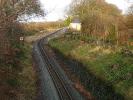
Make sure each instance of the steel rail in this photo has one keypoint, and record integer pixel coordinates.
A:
(61, 89)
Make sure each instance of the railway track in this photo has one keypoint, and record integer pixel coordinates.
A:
(57, 80)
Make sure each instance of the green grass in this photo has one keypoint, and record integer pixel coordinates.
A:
(107, 64)
(28, 78)
(20, 74)
(65, 47)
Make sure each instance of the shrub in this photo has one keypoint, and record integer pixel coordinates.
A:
(13, 81)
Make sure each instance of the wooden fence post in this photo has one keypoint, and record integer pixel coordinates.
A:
(117, 42)
(128, 43)
(12, 31)
(97, 42)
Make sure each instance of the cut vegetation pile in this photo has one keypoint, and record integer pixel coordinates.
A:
(113, 70)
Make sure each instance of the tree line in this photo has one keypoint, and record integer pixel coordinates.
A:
(13, 11)
(101, 19)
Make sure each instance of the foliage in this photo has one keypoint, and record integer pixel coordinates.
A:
(111, 66)
(102, 19)
(34, 27)
(129, 18)
(18, 71)
(13, 82)
(68, 20)
(11, 10)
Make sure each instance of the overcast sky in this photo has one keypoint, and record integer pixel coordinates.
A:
(60, 5)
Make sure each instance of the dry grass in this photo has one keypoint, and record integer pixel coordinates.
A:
(131, 92)
(3, 44)
(107, 64)
(38, 35)
(9, 82)
(29, 74)
(32, 28)
(17, 69)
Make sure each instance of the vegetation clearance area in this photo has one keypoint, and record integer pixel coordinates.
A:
(105, 72)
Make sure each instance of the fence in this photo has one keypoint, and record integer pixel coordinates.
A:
(127, 49)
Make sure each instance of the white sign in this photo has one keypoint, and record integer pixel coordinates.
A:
(21, 38)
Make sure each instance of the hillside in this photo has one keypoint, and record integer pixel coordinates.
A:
(105, 72)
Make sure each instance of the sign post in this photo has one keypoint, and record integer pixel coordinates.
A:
(21, 39)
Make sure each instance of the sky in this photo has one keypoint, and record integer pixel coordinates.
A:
(56, 8)
(121, 4)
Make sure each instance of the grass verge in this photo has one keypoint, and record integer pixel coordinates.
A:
(19, 69)
(110, 66)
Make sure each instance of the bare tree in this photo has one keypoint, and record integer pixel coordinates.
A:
(12, 10)
(96, 15)
(129, 17)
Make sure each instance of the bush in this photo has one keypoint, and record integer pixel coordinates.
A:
(13, 82)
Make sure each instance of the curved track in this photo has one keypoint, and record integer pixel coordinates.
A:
(57, 80)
